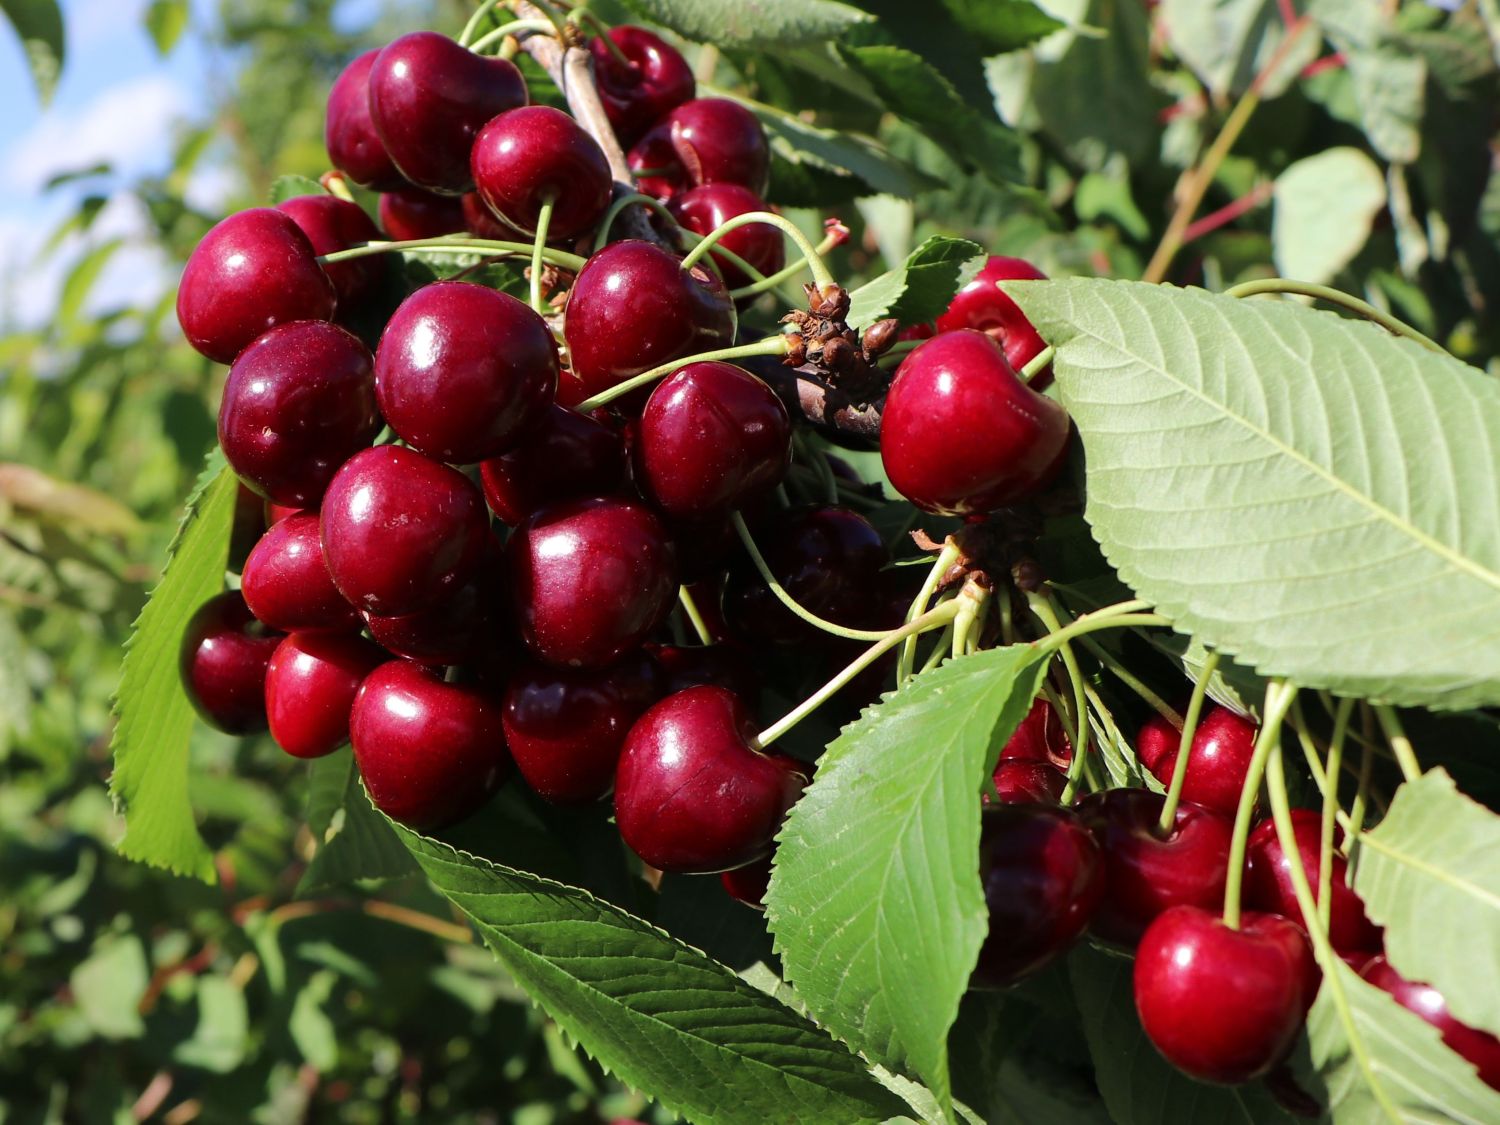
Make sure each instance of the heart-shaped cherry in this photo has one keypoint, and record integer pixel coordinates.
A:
(704, 209)
(349, 133)
(1222, 748)
(1478, 1047)
(985, 307)
(412, 213)
(704, 141)
(1268, 882)
(650, 81)
(332, 224)
(1039, 737)
(565, 456)
(223, 660)
(286, 581)
(528, 157)
(310, 687)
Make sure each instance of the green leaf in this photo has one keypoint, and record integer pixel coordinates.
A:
(80, 281)
(651, 1010)
(166, 20)
(1228, 43)
(998, 26)
(219, 1042)
(39, 23)
(309, 1026)
(764, 23)
(920, 288)
(1428, 874)
(109, 985)
(1389, 80)
(875, 900)
(1303, 491)
(801, 143)
(354, 841)
(290, 187)
(15, 690)
(1325, 207)
(150, 744)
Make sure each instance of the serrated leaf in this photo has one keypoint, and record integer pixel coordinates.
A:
(39, 23)
(921, 287)
(1325, 207)
(1228, 43)
(1303, 491)
(1002, 25)
(290, 187)
(651, 1010)
(354, 841)
(841, 153)
(166, 20)
(875, 900)
(764, 23)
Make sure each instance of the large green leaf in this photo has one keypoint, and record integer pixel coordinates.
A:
(801, 143)
(921, 287)
(1002, 25)
(1228, 43)
(762, 23)
(652, 1010)
(39, 24)
(354, 841)
(875, 900)
(1325, 207)
(1306, 492)
(1388, 78)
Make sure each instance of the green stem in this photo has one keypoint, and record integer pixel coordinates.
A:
(1185, 744)
(456, 244)
(941, 565)
(787, 272)
(473, 25)
(1130, 680)
(1034, 366)
(1330, 812)
(630, 199)
(968, 617)
(1395, 734)
(581, 14)
(538, 247)
(1117, 616)
(939, 650)
(1045, 608)
(1361, 795)
(690, 607)
(771, 345)
(1335, 297)
(821, 277)
(1310, 751)
(1279, 697)
(514, 27)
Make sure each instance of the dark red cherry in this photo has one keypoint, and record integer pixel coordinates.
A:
(1268, 882)
(454, 630)
(693, 792)
(1042, 877)
(481, 222)
(713, 438)
(961, 434)
(401, 531)
(429, 98)
(704, 141)
(1021, 782)
(332, 224)
(1039, 737)
(565, 456)
(652, 80)
(1146, 874)
(430, 752)
(633, 307)
(1222, 1005)
(310, 687)
(985, 307)
(703, 209)
(750, 883)
(530, 156)
(223, 662)
(298, 403)
(253, 271)
(463, 371)
(349, 133)
(412, 213)
(590, 580)
(1220, 761)
(1478, 1047)
(722, 665)
(286, 581)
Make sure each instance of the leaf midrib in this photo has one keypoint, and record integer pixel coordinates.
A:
(1370, 840)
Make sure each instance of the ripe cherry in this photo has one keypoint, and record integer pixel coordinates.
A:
(463, 371)
(534, 155)
(564, 456)
(1039, 737)
(693, 792)
(456, 630)
(349, 133)
(412, 213)
(430, 752)
(590, 580)
(481, 222)
(962, 435)
(1268, 882)
(1020, 782)
(223, 661)
(653, 80)
(332, 224)
(985, 307)
(286, 581)
(298, 403)
(704, 141)
(252, 271)
(401, 531)
(1222, 1005)
(703, 210)
(429, 98)
(1216, 769)
(1478, 1047)
(750, 883)
(310, 687)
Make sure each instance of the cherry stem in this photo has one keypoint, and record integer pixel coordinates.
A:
(771, 345)
(628, 199)
(690, 607)
(1133, 682)
(1330, 813)
(813, 458)
(543, 221)
(1362, 790)
(581, 14)
(941, 565)
(1046, 608)
(1118, 616)
(821, 277)
(1279, 697)
(789, 271)
(1395, 734)
(939, 650)
(1310, 751)
(1034, 365)
(1185, 743)
(514, 27)
(474, 21)
(456, 244)
(1335, 297)
(965, 639)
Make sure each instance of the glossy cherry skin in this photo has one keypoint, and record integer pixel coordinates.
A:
(704, 209)
(430, 752)
(412, 213)
(590, 580)
(704, 141)
(454, 630)
(1220, 761)
(1021, 782)
(654, 80)
(298, 403)
(1219, 1004)
(310, 687)
(1146, 874)
(528, 156)
(985, 307)
(349, 132)
(401, 531)
(1478, 1047)
(1268, 883)
(332, 224)
(1042, 876)
(1039, 737)
(481, 222)
(463, 371)
(692, 791)
(565, 728)
(564, 456)
(223, 662)
(251, 272)
(713, 438)
(750, 883)
(286, 581)
(633, 307)
(429, 98)
(961, 434)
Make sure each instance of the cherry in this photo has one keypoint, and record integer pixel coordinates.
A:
(693, 792)
(653, 80)
(725, 666)
(252, 271)
(590, 580)
(481, 222)
(961, 434)
(1222, 1005)
(332, 224)
(349, 133)
(1042, 876)
(750, 883)
(1145, 873)
(1020, 782)
(310, 687)
(463, 371)
(565, 728)
(1039, 737)
(1222, 747)
(985, 307)
(633, 307)
(564, 456)
(299, 402)
(704, 141)
(1268, 882)
(704, 209)
(430, 752)
(1477, 1047)
(223, 662)
(286, 581)
(530, 156)
(713, 438)
(400, 531)
(455, 630)
(412, 213)
(429, 98)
